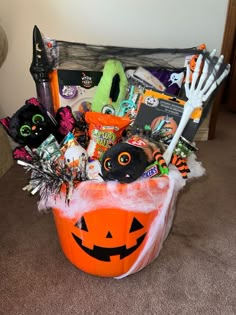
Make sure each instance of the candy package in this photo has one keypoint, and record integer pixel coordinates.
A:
(104, 131)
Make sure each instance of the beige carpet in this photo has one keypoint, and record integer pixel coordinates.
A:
(194, 274)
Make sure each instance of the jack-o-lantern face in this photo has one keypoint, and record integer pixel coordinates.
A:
(105, 242)
(105, 253)
(104, 235)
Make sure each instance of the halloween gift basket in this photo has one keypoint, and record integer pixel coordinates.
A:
(109, 143)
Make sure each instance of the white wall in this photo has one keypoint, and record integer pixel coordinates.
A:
(149, 23)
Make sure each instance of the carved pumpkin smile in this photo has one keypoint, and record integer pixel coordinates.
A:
(103, 254)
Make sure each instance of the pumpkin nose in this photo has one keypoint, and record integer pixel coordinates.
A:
(109, 235)
(33, 127)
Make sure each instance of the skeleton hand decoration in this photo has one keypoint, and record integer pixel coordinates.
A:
(197, 93)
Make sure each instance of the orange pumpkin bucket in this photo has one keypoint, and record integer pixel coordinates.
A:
(112, 229)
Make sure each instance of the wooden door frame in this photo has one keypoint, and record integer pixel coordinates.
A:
(226, 50)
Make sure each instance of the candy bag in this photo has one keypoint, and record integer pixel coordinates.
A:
(104, 131)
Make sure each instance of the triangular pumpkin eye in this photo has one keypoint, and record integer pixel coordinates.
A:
(135, 226)
(81, 224)
(109, 235)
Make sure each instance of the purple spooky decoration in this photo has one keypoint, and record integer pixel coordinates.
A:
(172, 79)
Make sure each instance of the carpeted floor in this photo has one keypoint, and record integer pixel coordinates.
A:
(195, 272)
